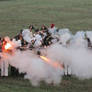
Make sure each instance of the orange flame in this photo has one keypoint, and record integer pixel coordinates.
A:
(54, 64)
(8, 46)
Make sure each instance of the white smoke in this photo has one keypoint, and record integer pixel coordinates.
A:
(76, 55)
(35, 68)
(79, 59)
(65, 36)
(78, 40)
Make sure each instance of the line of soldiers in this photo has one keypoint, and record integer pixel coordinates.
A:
(32, 38)
(27, 39)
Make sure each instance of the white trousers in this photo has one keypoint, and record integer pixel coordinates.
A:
(67, 70)
(4, 68)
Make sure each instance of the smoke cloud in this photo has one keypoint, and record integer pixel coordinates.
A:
(79, 59)
(35, 68)
(76, 55)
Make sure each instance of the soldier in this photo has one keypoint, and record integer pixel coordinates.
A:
(44, 28)
(47, 39)
(44, 31)
(53, 30)
(28, 34)
(32, 29)
(4, 63)
(38, 39)
(89, 44)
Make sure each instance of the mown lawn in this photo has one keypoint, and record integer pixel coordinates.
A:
(17, 14)
(16, 84)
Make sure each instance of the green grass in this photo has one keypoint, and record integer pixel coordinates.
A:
(67, 85)
(17, 14)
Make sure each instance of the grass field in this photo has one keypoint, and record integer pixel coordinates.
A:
(68, 85)
(17, 14)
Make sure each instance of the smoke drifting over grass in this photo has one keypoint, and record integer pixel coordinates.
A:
(79, 59)
(76, 55)
(35, 68)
